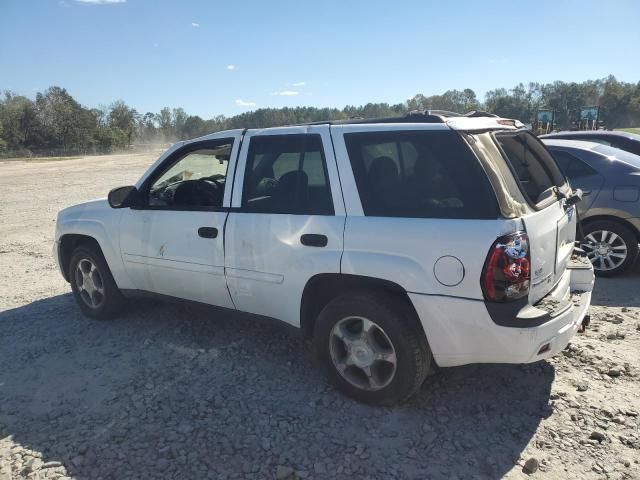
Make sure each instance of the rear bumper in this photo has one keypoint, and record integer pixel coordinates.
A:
(461, 331)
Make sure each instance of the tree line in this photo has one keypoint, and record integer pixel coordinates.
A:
(56, 124)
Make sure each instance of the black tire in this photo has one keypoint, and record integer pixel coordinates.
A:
(111, 300)
(400, 326)
(624, 234)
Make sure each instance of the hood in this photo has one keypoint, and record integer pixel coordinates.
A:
(84, 209)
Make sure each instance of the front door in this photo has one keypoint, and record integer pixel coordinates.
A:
(173, 244)
(288, 219)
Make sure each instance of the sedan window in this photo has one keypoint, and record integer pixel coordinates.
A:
(571, 166)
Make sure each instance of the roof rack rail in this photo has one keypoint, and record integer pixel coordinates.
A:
(414, 116)
(480, 113)
(443, 113)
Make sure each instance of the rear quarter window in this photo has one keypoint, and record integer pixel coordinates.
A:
(420, 174)
(572, 167)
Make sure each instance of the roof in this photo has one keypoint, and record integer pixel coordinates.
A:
(579, 144)
(472, 121)
(588, 133)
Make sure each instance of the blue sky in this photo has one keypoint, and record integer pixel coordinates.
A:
(226, 57)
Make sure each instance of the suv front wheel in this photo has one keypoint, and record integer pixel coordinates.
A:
(371, 348)
(92, 284)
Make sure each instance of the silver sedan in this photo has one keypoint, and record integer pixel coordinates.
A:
(610, 208)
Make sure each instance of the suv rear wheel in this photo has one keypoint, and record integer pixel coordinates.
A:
(92, 284)
(371, 348)
(611, 247)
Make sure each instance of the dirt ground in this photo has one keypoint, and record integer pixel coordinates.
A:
(174, 391)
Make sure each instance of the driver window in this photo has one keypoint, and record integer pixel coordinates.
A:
(195, 179)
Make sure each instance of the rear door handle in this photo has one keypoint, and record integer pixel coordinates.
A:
(314, 240)
(208, 232)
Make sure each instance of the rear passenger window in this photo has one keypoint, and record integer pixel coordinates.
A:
(535, 169)
(571, 166)
(287, 174)
(421, 174)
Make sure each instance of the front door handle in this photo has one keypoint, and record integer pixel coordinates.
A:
(314, 240)
(208, 232)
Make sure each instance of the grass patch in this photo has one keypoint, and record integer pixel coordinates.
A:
(37, 159)
(630, 130)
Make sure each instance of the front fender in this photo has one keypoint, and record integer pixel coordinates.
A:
(98, 221)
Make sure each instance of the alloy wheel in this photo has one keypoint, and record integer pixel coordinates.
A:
(89, 283)
(362, 353)
(606, 250)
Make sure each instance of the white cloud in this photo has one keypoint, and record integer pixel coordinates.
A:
(231, 67)
(286, 93)
(195, 25)
(101, 2)
(243, 103)
(298, 84)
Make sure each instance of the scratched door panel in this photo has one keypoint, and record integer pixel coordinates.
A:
(175, 259)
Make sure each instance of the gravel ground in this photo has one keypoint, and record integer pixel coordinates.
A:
(174, 391)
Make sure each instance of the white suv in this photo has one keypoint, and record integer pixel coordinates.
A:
(396, 244)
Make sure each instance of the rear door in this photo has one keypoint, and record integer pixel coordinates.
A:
(287, 220)
(551, 226)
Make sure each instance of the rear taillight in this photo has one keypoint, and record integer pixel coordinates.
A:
(506, 273)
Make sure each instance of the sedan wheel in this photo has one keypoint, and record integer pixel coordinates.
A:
(611, 247)
(606, 250)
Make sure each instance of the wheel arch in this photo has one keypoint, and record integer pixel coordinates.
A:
(68, 243)
(322, 288)
(610, 218)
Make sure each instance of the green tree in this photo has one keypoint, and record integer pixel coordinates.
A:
(165, 124)
(123, 118)
(18, 118)
(178, 119)
(64, 121)
(194, 126)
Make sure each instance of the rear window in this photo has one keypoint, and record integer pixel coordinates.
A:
(422, 174)
(533, 166)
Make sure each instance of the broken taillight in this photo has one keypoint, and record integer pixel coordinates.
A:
(506, 274)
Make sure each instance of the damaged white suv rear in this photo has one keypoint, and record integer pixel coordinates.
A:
(395, 244)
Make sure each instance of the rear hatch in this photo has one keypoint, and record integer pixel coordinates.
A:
(550, 224)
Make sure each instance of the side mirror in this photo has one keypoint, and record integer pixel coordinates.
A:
(124, 197)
